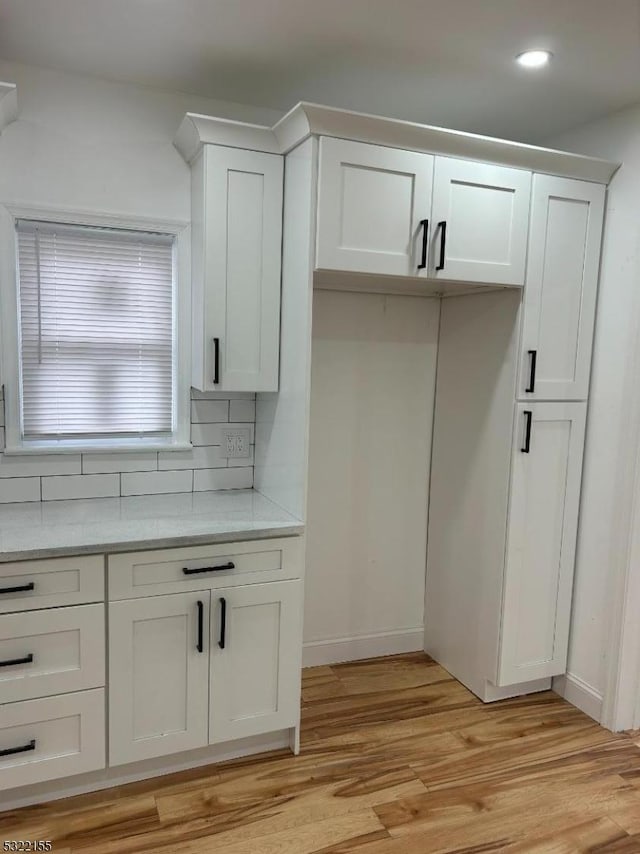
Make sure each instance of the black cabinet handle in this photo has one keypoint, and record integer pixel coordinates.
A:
(527, 432)
(11, 662)
(216, 361)
(22, 749)
(200, 644)
(533, 356)
(425, 236)
(23, 588)
(223, 622)
(220, 568)
(443, 244)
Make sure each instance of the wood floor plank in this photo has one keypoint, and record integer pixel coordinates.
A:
(321, 683)
(505, 814)
(307, 839)
(126, 817)
(397, 758)
(255, 810)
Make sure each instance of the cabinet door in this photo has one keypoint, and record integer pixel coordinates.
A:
(242, 261)
(543, 521)
(158, 675)
(371, 203)
(562, 282)
(480, 221)
(255, 660)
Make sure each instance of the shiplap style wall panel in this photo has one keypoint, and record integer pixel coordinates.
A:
(372, 390)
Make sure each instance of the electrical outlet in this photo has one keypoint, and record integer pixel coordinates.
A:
(236, 442)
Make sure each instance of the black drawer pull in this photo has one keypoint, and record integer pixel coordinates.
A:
(220, 568)
(11, 662)
(425, 236)
(23, 588)
(24, 748)
(443, 244)
(200, 644)
(223, 622)
(527, 434)
(533, 354)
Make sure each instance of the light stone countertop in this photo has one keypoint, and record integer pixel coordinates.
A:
(91, 526)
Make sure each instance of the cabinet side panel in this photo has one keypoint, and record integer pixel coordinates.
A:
(282, 418)
(470, 483)
(197, 272)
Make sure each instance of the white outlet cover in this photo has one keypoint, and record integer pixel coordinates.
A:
(236, 442)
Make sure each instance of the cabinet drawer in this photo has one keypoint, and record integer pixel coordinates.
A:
(31, 584)
(51, 652)
(207, 567)
(56, 737)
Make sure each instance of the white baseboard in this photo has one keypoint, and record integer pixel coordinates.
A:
(334, 651)
(579, 694)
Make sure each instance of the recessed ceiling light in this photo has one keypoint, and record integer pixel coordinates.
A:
(534, 58)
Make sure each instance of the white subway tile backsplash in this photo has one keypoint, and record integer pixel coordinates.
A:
(80, 486)
(197, 458)
(20, 489)
(34, 465)
(52, 477)
(154, 482)
(205, 480)
(242, 410)
(209, 434)
(107, 463)
(208, 411)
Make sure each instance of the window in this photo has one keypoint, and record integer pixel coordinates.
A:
(97, 335)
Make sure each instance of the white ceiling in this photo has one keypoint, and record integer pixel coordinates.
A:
(447, 62)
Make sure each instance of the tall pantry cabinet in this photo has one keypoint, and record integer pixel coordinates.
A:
(507, 238)
(510, 414)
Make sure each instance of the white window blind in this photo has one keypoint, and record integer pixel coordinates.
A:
(96, 323)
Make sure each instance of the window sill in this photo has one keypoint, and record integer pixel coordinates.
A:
(106, 447)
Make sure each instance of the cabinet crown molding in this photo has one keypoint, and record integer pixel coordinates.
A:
(306, 119)
(8, 104)
(197, 130)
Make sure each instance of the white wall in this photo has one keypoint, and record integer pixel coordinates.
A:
(372, 391)
(605, 522)
(91, 146)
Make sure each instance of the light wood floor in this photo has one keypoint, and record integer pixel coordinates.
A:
(397, 758)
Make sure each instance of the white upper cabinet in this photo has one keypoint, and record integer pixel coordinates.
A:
(541, 540)
(236, 264)
(404, 213)
(480, 221)
(373, 207)
(561, 288)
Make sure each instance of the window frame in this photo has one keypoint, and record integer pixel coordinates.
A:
(10, 364)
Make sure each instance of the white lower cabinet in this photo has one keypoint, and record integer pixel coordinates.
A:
(198, 668)
(255, 660)
(52, 737)
(54, 651)
(158, 676)
(541, 538)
